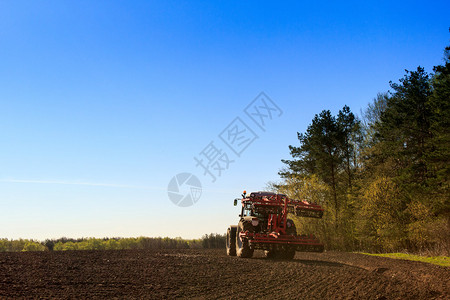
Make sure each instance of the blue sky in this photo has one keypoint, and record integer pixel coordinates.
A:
(103, 102)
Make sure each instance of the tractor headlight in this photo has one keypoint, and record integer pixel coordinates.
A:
(255, 221)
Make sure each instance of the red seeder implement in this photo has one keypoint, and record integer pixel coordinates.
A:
(264, 225)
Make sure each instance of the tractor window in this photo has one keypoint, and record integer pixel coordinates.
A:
(247, 211)
(258, 215)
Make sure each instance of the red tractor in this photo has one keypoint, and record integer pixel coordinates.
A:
(264, 225)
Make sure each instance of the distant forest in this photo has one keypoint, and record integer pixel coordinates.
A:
(212, 240)
(382, 177)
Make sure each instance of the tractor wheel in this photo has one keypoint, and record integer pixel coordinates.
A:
(231, 240)
(242, 246)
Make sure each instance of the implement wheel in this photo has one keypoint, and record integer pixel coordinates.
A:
(242, 246)
(231, 240)
(289, 254)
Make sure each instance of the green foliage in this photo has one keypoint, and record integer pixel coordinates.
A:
(212, 240)
(381, 211)
(435, 260)
(20, 245)
(327, 160)
(208, 241)
(403, 133)
(33, 246)
(383, 182)
(412, 149)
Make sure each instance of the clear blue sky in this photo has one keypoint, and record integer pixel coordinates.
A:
(103, 102)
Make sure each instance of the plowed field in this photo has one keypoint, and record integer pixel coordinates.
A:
(158, 274)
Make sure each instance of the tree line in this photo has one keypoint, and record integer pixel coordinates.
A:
(383, 176)
(212, 240)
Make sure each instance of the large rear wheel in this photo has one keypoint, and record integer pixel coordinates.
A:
(288, 253)
(231, 240)
(242, 246)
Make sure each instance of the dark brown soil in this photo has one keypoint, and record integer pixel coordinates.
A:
(209, 274)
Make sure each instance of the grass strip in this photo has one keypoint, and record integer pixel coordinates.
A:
(435, 260)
